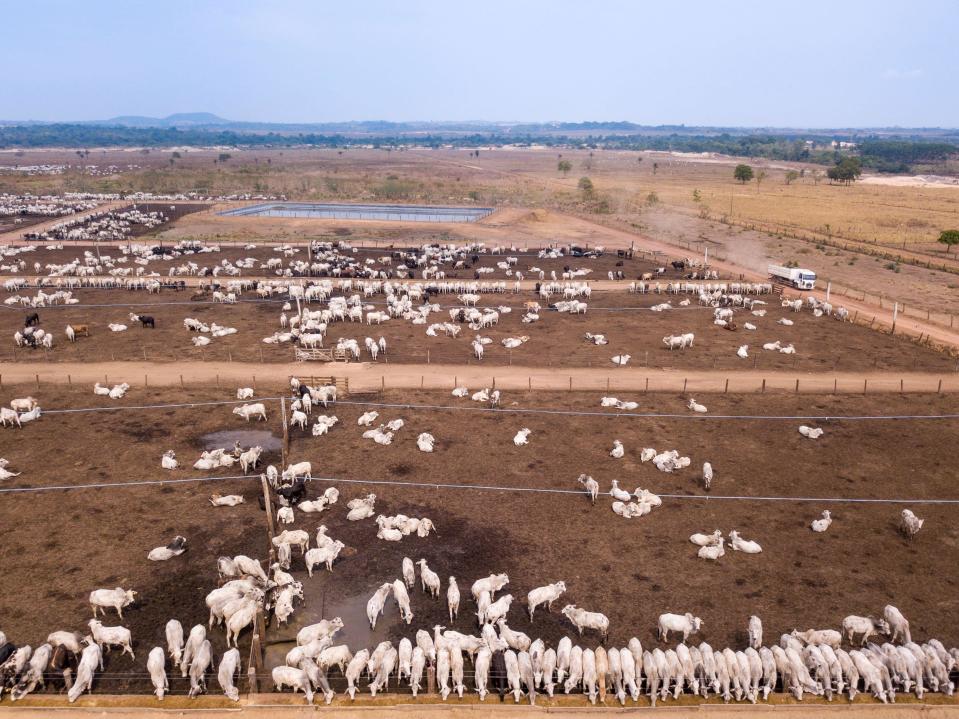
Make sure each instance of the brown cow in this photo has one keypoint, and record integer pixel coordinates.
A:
(82, 330)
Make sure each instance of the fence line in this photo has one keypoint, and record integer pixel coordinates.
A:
(479, 487)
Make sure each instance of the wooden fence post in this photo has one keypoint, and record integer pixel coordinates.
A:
(797, 386)
(726, 388)
(268, 504)
(38, 380)
(865, 383)
(764, 386)
(286, 431)
(685, 380)
(181, 381)
(939, 390)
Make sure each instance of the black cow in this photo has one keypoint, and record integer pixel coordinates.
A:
(678, 264)
(64, 662)
(295, 493)
(304, 390)
(147, 321)
(497, 675)
(6, 651)
(31, 320)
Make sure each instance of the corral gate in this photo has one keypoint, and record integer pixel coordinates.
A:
(334, 354)
(342, 383)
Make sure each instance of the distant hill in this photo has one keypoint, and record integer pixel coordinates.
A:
(179, 119)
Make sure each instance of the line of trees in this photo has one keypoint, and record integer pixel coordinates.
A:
(900, 155)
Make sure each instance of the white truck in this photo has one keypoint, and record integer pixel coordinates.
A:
(798, 277)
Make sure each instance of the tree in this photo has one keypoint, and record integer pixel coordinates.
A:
(846, 171)
(586, 186)
(224, 156)
(743, 173)
(697, 196)
(564, 166)
(639, 159)
(817, 176)
(949, 238)
(655, 167)
(760, 176)
(791, 176)
(176, 155)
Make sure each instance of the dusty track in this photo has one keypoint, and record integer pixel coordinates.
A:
(283, 706)
(367, 376)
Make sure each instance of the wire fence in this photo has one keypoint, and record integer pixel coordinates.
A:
(445, 486)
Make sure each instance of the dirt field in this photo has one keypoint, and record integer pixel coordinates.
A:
(556, 340)
(631, 570)
(8, 223)
(99, 538)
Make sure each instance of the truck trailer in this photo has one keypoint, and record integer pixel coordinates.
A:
(797, 277)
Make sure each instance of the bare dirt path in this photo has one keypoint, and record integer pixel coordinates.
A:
(285, 706)
(367, 376)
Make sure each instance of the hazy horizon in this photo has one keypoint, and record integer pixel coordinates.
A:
(745, 64)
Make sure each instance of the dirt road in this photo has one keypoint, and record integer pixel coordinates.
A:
(284, 706)
(366, 376)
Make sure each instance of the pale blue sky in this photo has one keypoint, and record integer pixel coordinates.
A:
(809, 64)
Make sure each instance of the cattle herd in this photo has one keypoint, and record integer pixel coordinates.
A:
(333, 283)
(873, 654)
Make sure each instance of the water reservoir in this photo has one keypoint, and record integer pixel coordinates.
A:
(383, 213)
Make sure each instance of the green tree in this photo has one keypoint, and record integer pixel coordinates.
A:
(586, 186)
(791, 176)
(760, 176)
(224, 156)
(743, 173)
(846, 171)
(655, 167)
(176, 155)
(564, 166)
(949, 238)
